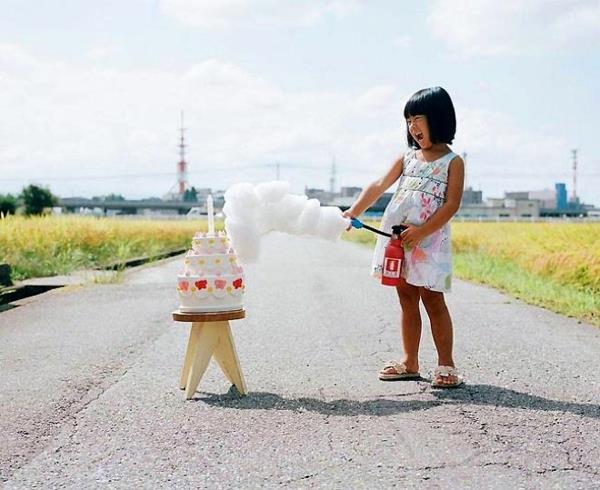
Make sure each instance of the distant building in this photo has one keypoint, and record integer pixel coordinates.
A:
(350, 191)
(471, 196)
(202, 193)
(561, 196)
(321, 194)
(522, 204)
(547, 198)
(501, 208)
(516, 195)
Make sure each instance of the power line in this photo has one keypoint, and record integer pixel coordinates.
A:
(90, 177)
(498, 175)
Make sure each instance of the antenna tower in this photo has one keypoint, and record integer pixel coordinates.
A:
(574, 153)
(182, 164)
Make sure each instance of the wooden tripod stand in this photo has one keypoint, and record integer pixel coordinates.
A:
(210, 335)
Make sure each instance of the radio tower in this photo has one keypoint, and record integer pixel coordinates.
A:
(182, 164)
(574, 153)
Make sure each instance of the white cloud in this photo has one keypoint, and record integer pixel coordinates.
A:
(375, 99)
(14, 58)
(222, 14)
(63, 120)
(67, 120)
(402, 41)
(489, 27)
(505, 155)
(103, 52)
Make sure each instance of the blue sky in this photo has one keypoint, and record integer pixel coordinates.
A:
(90, 92)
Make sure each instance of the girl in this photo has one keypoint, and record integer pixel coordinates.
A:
(429, 192)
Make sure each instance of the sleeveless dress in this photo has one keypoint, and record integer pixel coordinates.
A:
(421, 191)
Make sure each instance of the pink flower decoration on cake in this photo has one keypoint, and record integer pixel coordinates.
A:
(220, 283)
(237, 283)
(184, 285)
(201, 284)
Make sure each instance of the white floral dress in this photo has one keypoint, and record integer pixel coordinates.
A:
(421, 191)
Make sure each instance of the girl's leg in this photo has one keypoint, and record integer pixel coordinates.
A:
(411, 325)
(441, 329)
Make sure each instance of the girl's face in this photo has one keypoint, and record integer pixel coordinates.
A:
(419, 130)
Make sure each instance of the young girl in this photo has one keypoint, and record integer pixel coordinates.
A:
(429, 192)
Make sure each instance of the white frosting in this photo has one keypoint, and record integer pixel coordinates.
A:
(212, 279)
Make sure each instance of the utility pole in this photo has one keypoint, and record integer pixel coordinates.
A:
(332, 178)
(574, 154)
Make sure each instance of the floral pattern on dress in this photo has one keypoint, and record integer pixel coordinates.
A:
(421, 191)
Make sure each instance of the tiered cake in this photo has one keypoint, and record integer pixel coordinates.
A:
(212, 280)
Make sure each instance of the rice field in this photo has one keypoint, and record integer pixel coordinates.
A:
(555, 264)
(52, 245)
(568, 253)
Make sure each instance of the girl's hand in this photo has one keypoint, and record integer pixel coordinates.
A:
(349, 215)
(412, 236)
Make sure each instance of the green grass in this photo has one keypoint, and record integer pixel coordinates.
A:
(573, 294)
(56, 245)
(527, 286)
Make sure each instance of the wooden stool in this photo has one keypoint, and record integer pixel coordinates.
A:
(210, 335)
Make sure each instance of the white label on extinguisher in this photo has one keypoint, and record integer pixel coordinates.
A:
(391, 267)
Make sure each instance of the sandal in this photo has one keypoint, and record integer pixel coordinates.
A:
(401, 372)
(445, 372)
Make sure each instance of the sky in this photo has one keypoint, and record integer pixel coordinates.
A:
(91, 92)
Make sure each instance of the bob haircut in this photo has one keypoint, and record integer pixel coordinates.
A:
(436, 105)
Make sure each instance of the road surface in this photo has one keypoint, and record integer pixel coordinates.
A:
(89, 396)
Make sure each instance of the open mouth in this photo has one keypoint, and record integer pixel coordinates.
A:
(419, 136)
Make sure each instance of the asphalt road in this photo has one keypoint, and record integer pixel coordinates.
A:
(89, 396)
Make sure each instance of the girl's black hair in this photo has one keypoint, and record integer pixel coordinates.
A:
(436, 105)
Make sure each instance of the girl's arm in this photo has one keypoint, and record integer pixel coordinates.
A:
(371, 193)
(454, 192)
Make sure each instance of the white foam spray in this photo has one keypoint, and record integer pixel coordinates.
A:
(253, 210)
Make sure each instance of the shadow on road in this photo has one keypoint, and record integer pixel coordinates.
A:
(467, 395)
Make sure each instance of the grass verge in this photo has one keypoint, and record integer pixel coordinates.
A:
(527, 286)
(555, 266)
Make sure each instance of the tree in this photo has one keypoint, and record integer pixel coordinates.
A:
(190, 195)
(109, 197)
(114, 197)
(36, 199)
(8, 204)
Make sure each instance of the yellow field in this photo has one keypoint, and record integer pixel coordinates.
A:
(566, 252)
(50, 245)
(555, 265)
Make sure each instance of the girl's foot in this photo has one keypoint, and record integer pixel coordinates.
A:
(446, 377)
(394, 371)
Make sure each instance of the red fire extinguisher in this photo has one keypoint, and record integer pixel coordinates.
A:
(393, 255)
(393, 258)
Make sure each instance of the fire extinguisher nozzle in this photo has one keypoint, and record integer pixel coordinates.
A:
(397, 229)
(356, 223)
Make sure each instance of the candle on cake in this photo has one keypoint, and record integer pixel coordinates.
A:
(211, 215)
